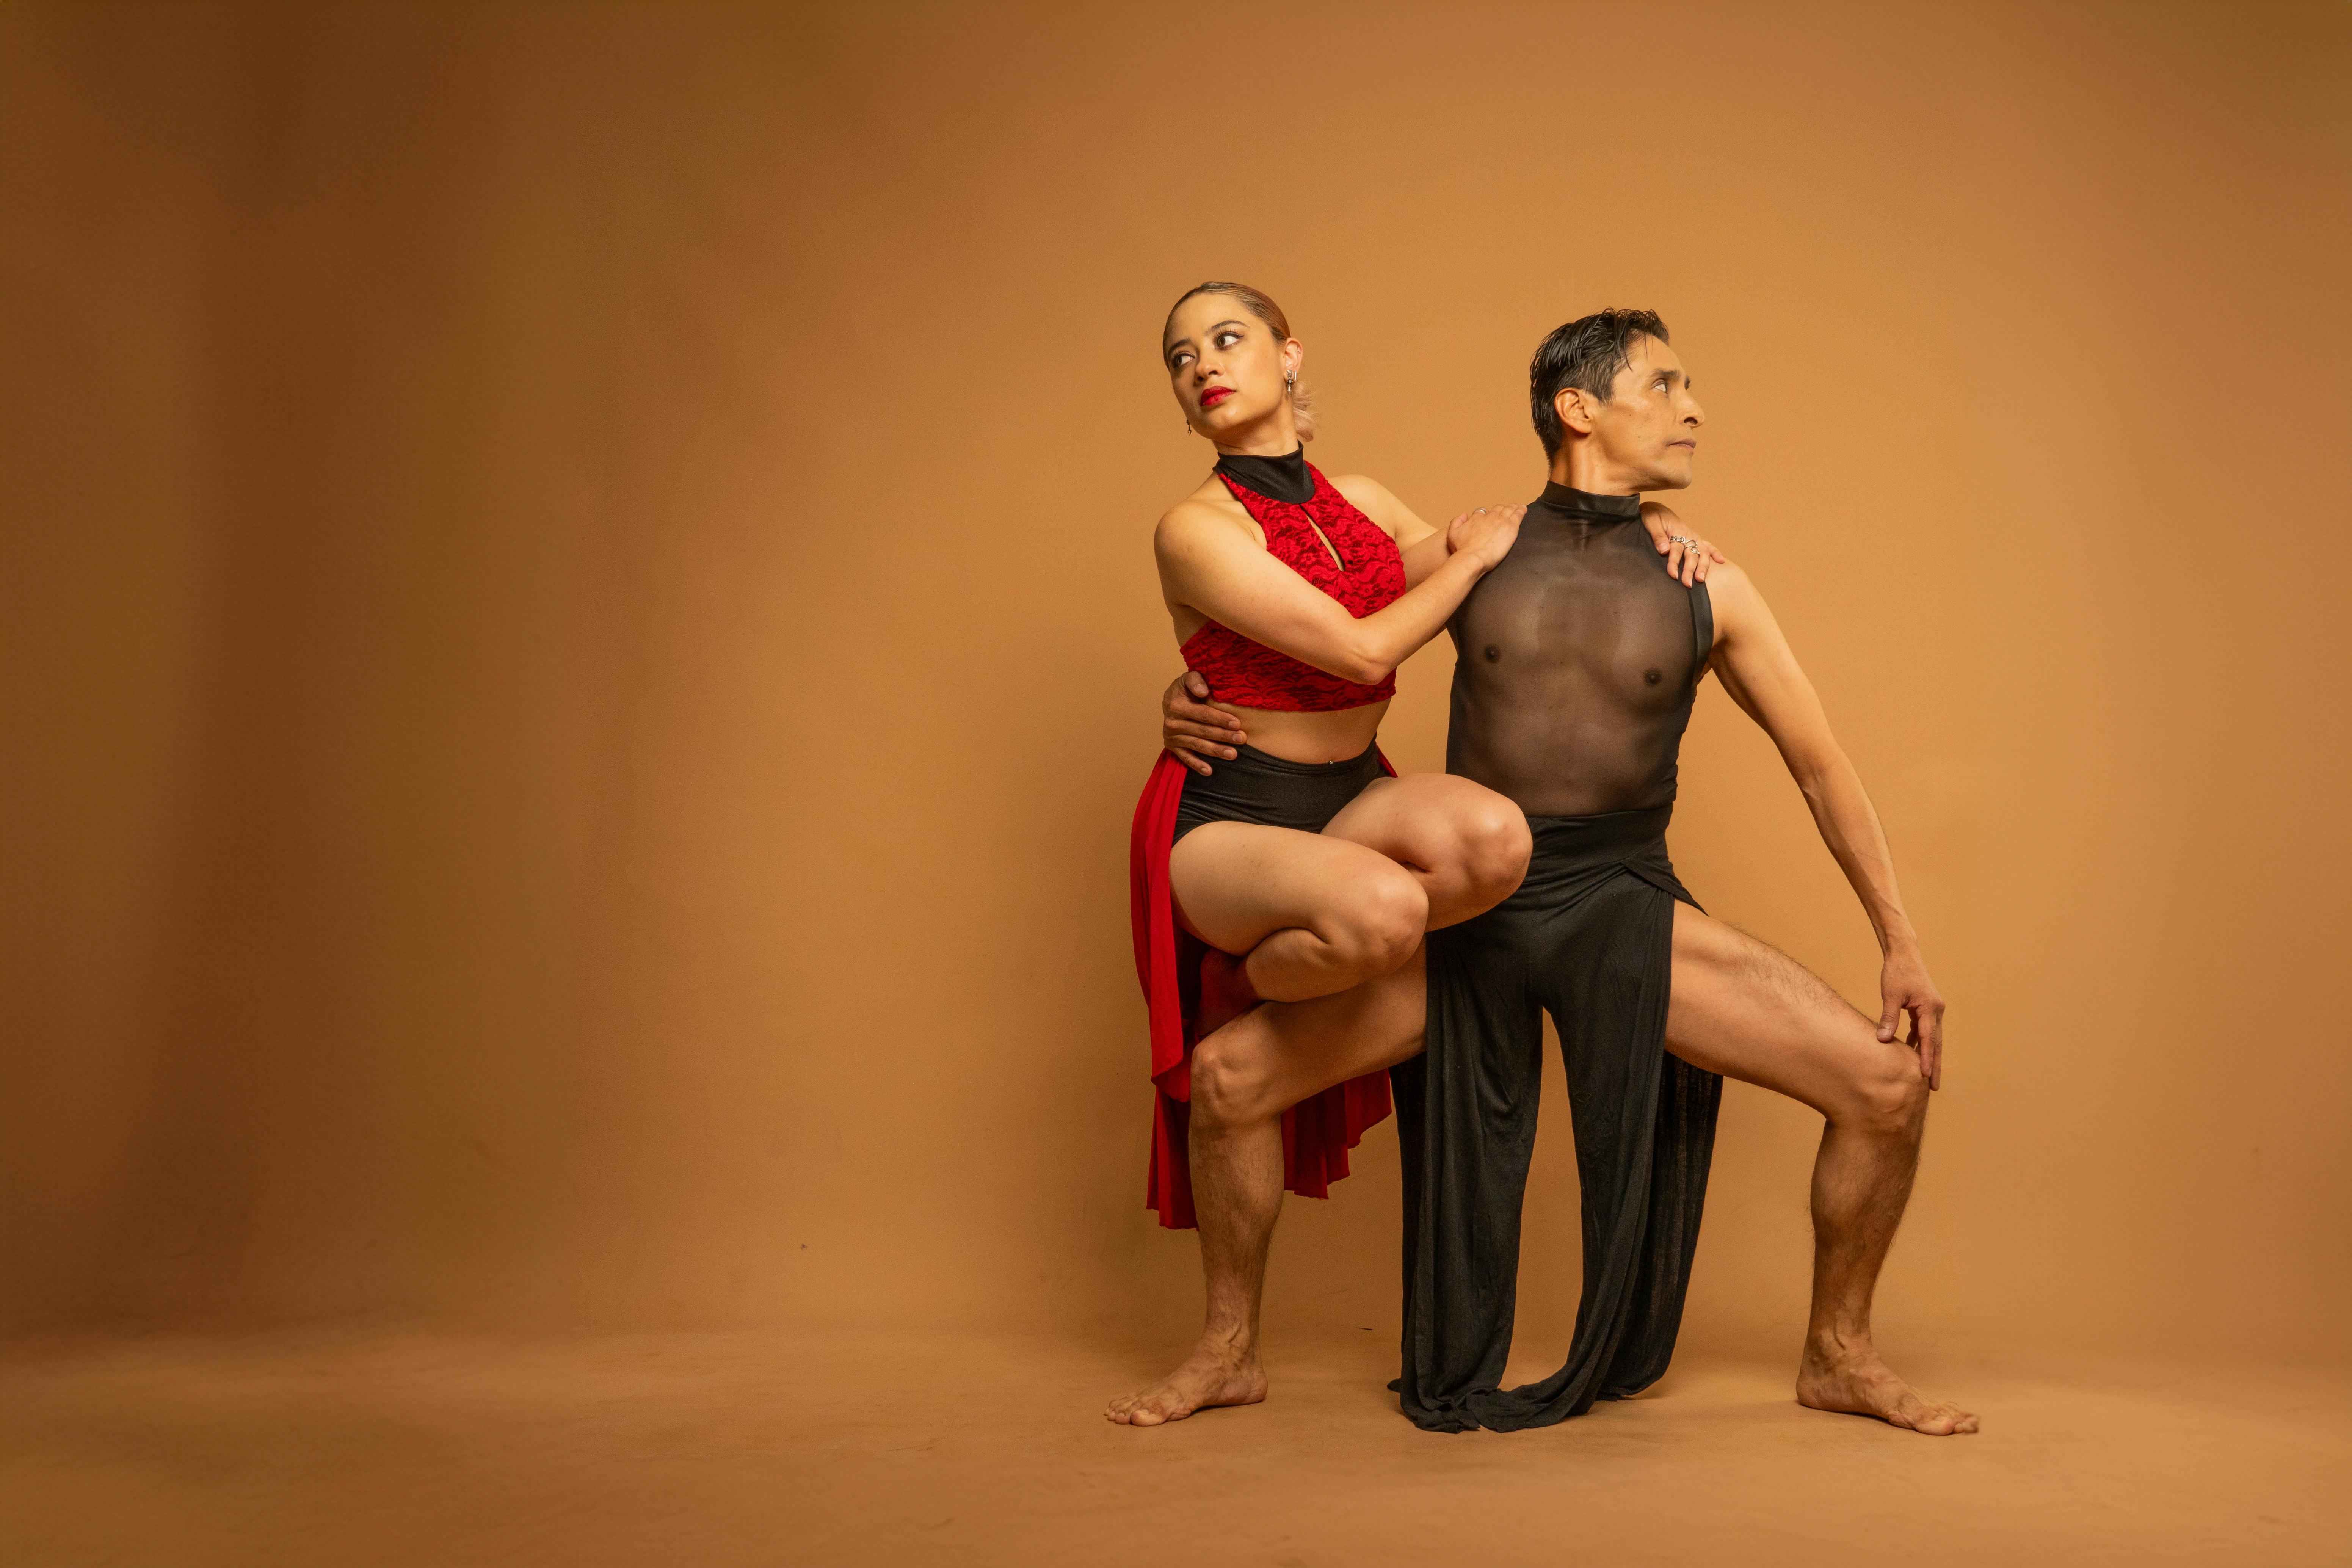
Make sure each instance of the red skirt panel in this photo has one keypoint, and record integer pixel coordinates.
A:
(1316, 1133)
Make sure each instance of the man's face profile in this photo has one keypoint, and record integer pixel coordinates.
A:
(1649, 426)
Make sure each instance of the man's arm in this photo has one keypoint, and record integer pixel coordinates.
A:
(1193, 729)
(1760, 674)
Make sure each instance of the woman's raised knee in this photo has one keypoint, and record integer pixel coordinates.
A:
(1496, 845)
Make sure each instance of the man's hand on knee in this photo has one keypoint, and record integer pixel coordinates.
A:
(1904, 986)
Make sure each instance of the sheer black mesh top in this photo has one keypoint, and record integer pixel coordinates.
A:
(1576, 662)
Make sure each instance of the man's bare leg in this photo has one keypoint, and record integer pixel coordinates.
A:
(1749, 1011)
(1243, 1078)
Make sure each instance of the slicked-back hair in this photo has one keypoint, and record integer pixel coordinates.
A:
(1587, 353)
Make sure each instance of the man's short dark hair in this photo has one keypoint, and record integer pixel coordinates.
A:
(1587, 353)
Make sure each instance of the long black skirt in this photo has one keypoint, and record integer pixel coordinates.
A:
(1588, 938)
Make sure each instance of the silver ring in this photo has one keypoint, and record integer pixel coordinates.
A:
(1480, 509)
(1680, 539)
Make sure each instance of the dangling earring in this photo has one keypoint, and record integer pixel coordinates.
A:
(1290, 385)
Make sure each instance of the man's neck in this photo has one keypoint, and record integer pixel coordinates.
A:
(1581, 468)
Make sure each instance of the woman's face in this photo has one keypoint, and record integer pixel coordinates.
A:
(1226, 367)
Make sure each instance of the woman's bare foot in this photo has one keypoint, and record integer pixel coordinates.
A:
(1854, 1382)
(1215, 1373)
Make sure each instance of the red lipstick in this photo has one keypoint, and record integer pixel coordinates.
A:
(1214, 397)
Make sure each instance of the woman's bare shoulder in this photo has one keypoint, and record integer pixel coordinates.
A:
(1201, 516)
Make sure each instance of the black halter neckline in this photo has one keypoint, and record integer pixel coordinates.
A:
(1283, 478)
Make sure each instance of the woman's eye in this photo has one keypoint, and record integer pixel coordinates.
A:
(1180, 361)
(1227, 340)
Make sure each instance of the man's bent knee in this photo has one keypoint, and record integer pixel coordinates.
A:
(1889, 1097)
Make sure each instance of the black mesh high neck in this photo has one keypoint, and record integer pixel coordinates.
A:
(1584, 503)
(1282, 478)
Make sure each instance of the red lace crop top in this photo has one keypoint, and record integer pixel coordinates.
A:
(1368, 575)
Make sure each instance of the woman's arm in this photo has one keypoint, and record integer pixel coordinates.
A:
(1422, 547)
(1689, 556)
(1210, 564)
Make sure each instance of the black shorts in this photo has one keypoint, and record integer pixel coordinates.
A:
(1272, 793)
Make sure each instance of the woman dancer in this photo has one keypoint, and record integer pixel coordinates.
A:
(1301, 868)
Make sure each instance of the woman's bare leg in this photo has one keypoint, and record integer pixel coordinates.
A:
(1302, 915)
(1466, 848)
(1310, 915)
(1243, 1078)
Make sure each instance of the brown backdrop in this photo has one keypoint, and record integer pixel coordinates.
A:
(581, 639)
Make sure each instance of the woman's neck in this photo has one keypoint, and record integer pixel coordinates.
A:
(1274, 436)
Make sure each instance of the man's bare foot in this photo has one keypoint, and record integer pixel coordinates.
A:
(1225, 992)
(1210, 1376)
(1856, 1383)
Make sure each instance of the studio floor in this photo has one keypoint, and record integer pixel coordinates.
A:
(407, 1448)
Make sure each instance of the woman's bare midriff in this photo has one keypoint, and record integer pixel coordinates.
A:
(1310, 737)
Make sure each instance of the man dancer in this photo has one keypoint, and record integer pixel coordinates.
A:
(1577, 662)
